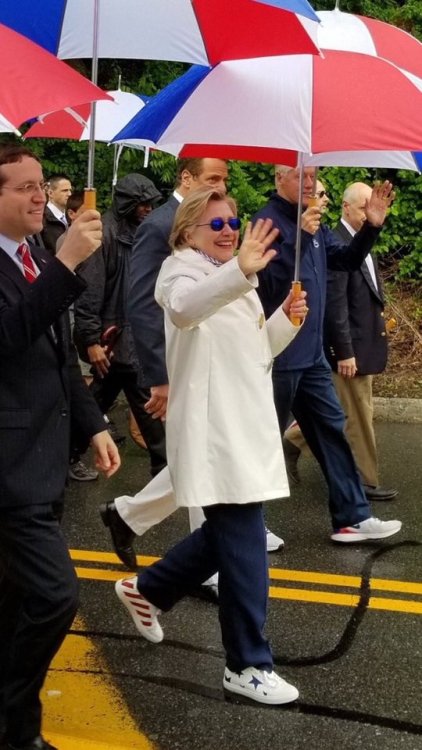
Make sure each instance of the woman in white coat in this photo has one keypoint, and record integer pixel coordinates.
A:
(223, 441)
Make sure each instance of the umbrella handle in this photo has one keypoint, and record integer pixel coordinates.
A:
(312, 201)
(296, 290)
(90, 198)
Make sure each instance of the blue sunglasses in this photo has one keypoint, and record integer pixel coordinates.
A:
(218, 223)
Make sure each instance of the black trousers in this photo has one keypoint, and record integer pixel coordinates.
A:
(38, 601)
(125, 378)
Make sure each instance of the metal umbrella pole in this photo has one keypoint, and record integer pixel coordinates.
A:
(90, 192)
(296, 283)
(313, 201)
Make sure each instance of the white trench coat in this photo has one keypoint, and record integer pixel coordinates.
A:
(223, 438)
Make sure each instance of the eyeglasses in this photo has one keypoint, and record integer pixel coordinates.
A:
(218, 224)
(322, 193)
(29, 188)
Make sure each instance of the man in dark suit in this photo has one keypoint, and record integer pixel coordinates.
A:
(355, 341)
(41, 393)
(59, 188)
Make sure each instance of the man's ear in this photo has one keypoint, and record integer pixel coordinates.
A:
(186, 179)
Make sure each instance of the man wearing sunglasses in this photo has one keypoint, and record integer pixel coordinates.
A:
(301, 375)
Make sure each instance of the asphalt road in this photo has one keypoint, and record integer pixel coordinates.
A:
(344, 622)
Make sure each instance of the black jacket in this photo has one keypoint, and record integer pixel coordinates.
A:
(106, 273)
(41, 387)
(53, 228)
(354, 324)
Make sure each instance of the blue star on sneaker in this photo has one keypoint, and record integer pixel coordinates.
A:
(255, 682)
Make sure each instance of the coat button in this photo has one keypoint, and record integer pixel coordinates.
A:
(63, 413)
(383, 333)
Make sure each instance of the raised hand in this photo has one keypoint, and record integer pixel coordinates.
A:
(254, 253)
(379, 202)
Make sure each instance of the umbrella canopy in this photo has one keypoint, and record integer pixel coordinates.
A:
(33, 81)
(75, 124)
(197, 31)
(345, 31)
(255, 108)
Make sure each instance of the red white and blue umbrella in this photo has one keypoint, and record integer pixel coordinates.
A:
(75, 123)
(345, 31)
(34, 81)
(197, 31)
(321, 101)
(184, 30)
(253, 109)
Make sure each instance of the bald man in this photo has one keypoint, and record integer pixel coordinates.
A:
(355, 341)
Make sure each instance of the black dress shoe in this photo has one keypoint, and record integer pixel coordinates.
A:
(291, 457)
(122, 535)
(38, 743)
(379, 493)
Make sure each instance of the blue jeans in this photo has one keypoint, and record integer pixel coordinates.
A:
(231, 541)
(310, 395)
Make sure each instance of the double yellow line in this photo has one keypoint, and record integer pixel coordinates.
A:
(410, 601)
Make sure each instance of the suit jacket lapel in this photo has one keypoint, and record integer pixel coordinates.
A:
(10, 269)
(347, 237)
(369, 280)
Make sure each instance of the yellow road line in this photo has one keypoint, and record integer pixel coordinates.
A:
(276, 574)
(345, 600)
(82, 708)
(85, 555)
(292, 594)
(332, 579)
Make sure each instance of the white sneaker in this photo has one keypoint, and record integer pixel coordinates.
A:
(260, 686)
(274, 542)
(371, 528)
(143, 613)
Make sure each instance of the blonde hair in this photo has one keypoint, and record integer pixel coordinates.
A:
(190, 211)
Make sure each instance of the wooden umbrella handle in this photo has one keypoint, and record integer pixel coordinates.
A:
(296, 290)
(312, 201)
(90, 198)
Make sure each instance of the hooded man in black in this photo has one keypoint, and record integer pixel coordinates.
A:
(103, 304)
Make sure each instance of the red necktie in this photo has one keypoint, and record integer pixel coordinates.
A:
(28, 264)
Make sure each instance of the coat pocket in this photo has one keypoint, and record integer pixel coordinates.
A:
(15, 419)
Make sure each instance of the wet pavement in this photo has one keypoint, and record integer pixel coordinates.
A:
(345, 622)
